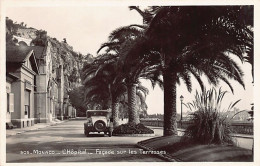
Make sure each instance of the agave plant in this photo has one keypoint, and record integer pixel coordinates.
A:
(209, 123)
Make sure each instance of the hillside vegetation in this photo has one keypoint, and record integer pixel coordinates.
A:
(61, 52)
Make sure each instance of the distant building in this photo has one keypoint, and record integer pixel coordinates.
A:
(50, 85)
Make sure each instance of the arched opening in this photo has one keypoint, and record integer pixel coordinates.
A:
(22, 43)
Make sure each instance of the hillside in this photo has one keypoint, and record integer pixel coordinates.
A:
(62, 53)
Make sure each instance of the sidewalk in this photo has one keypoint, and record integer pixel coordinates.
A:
(11, 132)
(188, 152)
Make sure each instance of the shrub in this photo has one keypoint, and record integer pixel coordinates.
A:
(131, 128)
(208, 122)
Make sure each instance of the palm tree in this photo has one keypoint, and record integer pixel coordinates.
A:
(196, 40)
(103, 82)
(120, 42)
(250, 59)
(98, 78)
(133, 72)
(96, 92)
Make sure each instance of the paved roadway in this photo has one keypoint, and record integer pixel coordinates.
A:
(65, 140)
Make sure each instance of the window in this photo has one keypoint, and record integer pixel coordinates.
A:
(27, 103)
(35, 87)
(28, 85)
(10, 102)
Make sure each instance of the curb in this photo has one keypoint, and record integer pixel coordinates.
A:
(30, 130)
(164, 156)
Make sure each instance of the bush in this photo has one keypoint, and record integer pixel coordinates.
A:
(132, 128)
(209, 123)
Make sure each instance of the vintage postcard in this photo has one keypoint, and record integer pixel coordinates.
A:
(89, 82)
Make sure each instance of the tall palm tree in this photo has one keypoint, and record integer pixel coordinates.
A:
(120, 42)
(134, 71)
(96, 92)
(99, 79)
(102, 81)
(195, 40)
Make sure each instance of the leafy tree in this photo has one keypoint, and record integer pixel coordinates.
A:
(9, 40)
(76, 97)
(11, 26)
(73, 76)
(41, 38)
(64, 40)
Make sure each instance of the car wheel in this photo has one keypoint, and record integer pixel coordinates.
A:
(86, 133)
(100, 126)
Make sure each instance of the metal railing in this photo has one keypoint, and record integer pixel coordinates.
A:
(236, 127)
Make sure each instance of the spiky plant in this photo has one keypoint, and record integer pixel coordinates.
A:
(209, 124)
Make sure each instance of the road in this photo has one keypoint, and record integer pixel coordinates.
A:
(66, 142)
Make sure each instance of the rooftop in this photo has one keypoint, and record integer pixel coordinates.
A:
(17, 54)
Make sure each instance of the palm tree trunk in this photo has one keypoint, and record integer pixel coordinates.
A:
(132, 110)
(115, 111)
(170, 119)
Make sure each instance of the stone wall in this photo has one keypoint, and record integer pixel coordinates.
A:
(237, 128)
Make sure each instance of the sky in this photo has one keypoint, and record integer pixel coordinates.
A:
(87, 27)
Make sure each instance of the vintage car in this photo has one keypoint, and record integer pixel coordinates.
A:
(98, 121)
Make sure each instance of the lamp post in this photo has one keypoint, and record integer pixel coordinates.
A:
(181, 97)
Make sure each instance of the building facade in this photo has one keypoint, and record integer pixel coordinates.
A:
(37, 84)
(10, 78)
(20, 85)
(50, 85)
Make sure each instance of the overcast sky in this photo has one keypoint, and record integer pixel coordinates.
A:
(87, 27)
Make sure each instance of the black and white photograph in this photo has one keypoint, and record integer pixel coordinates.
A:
(128, 82)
